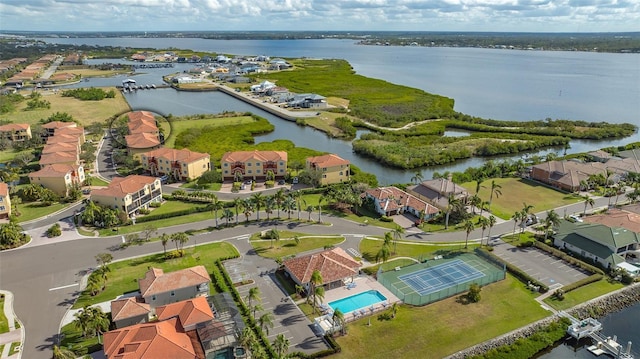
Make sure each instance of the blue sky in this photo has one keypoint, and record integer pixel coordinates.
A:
(327, 15)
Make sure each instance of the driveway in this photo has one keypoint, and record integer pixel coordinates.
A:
(539, 264)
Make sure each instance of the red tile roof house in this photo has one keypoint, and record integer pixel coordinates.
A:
(437, 191)
(389, 201)
(129, 311)
(335, 266)
(159, 288)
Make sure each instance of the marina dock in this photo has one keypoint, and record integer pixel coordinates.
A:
(591, 328)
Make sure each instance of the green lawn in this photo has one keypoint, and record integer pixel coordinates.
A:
(9, 155)
(173, 206)
(4, 324)
(33, 210)
(515, 191)
(369, 247)
(582, 294)
(445, 327)
(167, 222)
(177, 125)
(14, 345)
(286, 246)
(96, 181)
(208, 186)
(74, 341)
(124, 275)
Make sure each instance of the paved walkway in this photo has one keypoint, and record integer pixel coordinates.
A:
(13, 335)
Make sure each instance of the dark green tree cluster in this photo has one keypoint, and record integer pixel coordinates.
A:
(9, 101)
(36, 102)
(12, 235)
(100, 216)
(89, 94)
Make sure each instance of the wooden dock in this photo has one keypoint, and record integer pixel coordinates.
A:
(591, 328)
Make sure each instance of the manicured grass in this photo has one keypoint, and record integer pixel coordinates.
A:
(173, 206)
(208, 186)
(369, 247)
(4, 324)
(97, 181)
(445, 327)
(124, 275)
(13, 350)
(73, 340)
(86, 112)
(583, 294)
(161, 223)
(541, 197)
(287, 246)
(178, 125)
(93, 72)
(9, 155)
(33, 210)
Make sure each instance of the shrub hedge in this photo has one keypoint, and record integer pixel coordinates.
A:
(566, 257)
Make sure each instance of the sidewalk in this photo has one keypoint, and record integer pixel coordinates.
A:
(13, 335)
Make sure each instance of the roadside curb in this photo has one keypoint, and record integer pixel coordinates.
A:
(51, 214)
(12, 318)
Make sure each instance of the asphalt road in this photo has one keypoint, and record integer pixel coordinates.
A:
(44, 279)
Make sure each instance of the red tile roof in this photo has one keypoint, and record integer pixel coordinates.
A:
(122, 186)
(392, 198)
(58, 157)
(60, 147)
(165, 339)
(59, 124)
(141, 115)
(190, 312)
(129, 307)
(4, 189)
(329, 160)
(617, 218)
(156, 281)
(54, 170)
(14, 127)
(245, 156)
(142, 140)
(333, 264)
(184, 155)
(72, 138)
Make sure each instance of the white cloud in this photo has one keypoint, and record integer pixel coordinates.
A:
(419, 15)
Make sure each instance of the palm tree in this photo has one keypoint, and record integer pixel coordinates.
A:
(279, 198)
(266, 321)
(269, 204)
(320, 200)
(297, 195)
(383, 254)
(468, 228)
(227, 215)
(237, 202)
(310, 210)
(314, 282)
(63, 353)
(394, 309)
(100, 321)
(258, 201)
(452, 203)
(417, 177)
(397, 232)
(552, 220)
(164, 239)
(253, 295)
(247, 337)
(281, 345)
(247, 208)
(179, 238)
(588, 201)
(215, 206)
(289, 205)
(495, 190)
(483, 222)
(338, 318)
(83, 320)
(517, 216)
(475, 202)
(492, 222)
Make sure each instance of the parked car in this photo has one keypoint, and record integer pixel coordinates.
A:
(574, 218)
(281, 182)
(295, 180)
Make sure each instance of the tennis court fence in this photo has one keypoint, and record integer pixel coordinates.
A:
(492, 272)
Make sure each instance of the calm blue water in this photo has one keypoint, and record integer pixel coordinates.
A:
(362, 300)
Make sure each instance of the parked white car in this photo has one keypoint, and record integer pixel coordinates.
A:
(574, 218)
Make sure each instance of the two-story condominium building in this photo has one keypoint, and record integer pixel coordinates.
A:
(255, 165)
(5, 201)
(59, 178)
(140, 143)
(129, 194)
(159, 288)
(334, 169)
(51, 127)
(143, 133)
(180, 165)
(15, 132)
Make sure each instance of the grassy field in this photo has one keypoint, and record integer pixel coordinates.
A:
(85, 112)
(196, 186)
(124, 275)
(9, 155)
(583, 294)
(541, 197)
(4, 324)
(178, 126)
(33, 210)
(195, 217)
(93, 72)
(369, 247)
(172, 206)
(436, 329)
(96, 181)
(72, 339)
(287, 245)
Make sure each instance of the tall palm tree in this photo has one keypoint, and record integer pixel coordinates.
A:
(281, 345)
(258, 201)
(495, 191)
(394, 309)
(247, 337)
(253, 295)
(247, 208)
(215, 206)
(417, 178)
(227, 214)
(552, 220)
(588, 201)
(237, 203)
(83, 320)
(179, 238)
(279, 198)
(269, 204)
(310, 210)
(483, 222)
(315, 281)
(468, 228)
(475, 201)
(266, 321)
(492, 222)
(397, 231)
(289, 205)
(164, 239)
(383, 254)
(517, 216)
(99, 321)
(321, 199)
(297, 195)
(452, 203)
(63, 353)
(338, 319)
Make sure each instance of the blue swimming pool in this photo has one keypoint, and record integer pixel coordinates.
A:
(358, 301)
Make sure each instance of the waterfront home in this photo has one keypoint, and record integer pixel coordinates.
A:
(254, 165)
(437, 191)
(308, 100)
(607, 246)
(566, 175)
(15, 132)
(129, 194)
(5, 201)
(335, 266)
(389, 201)
(159, 288)
(262, 87)
(59, 177)
(333, 168)
(181, 165)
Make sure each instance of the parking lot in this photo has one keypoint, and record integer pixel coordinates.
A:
(540, 265)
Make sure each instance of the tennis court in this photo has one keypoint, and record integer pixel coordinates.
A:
(424, 283)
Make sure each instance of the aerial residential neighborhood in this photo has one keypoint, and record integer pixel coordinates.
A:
(129, 233)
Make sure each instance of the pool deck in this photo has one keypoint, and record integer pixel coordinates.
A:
(363, 284)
